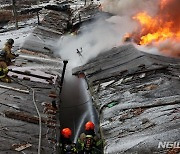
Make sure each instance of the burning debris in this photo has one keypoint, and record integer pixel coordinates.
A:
(157, 23)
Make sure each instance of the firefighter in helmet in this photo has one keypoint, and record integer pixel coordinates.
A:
(89, 142)
(7, 49)
(67, 147)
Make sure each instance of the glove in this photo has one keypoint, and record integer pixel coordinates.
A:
(16, 55)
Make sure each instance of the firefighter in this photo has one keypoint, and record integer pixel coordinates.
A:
(7, 49)
(89, 142)
(3, 68)
(67, 147)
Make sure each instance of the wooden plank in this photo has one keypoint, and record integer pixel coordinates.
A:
(15, 89)
(23, 146)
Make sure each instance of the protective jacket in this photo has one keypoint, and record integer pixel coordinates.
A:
(89, 143)
(8, 55)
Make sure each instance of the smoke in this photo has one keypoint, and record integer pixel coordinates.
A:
(169, 47)
(164, 13)
(93, 39)
(102, 35)
(130, 7)
(169, 12)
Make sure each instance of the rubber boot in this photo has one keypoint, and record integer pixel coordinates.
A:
(6, 79)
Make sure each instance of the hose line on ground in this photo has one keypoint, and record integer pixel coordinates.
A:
(39, 115)
(40, 124)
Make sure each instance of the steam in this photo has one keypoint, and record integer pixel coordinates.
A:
(94, 39)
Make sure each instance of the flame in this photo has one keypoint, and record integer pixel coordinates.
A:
(127, 37)
(157, 29)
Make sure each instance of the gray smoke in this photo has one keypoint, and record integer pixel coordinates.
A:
(130, 7)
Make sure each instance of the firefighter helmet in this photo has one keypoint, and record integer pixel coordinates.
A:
(10, 41)
(66, 133)
(89, 125)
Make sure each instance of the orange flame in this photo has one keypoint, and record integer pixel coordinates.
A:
(164, 26)
(156, 28)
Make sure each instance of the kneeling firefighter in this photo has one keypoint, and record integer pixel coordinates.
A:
(89, 142)
(8, 53)
(67, 147)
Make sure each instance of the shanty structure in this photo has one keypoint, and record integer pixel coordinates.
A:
(29, 105)
(137, 96)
